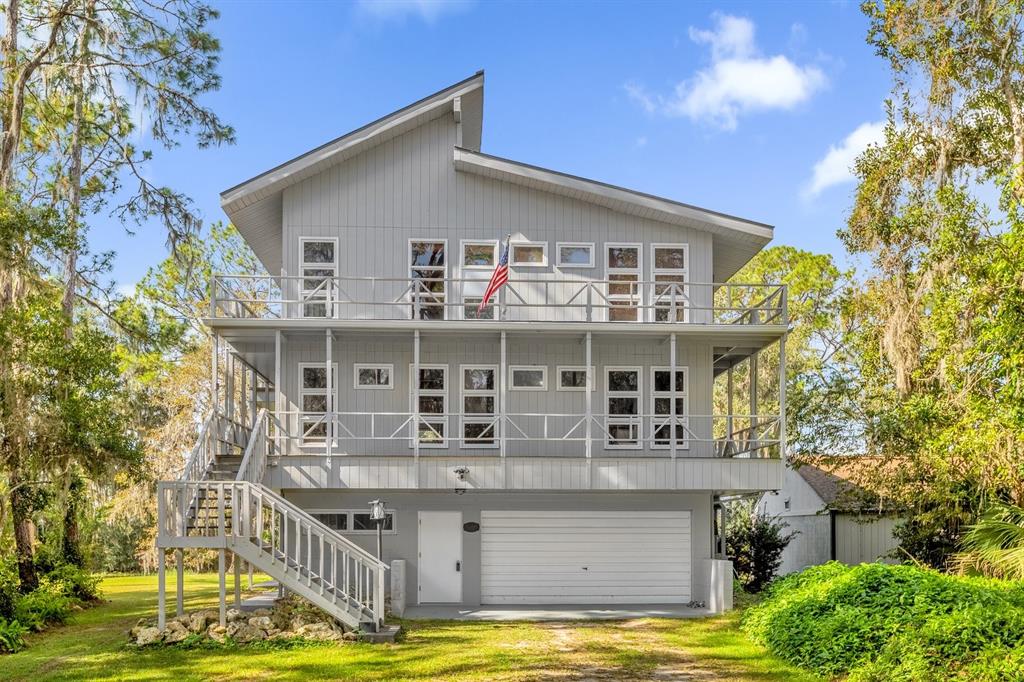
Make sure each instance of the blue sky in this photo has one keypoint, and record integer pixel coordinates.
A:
(754, 109)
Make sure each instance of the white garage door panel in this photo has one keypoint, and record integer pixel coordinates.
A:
(581, 557)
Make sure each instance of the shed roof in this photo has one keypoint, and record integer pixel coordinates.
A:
(843, 483)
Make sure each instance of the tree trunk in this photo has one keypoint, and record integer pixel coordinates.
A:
(71, 545)
(24, 534)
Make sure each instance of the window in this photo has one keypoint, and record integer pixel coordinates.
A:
(529, 254)
(313, 400)
(573, 378)
(369, 376)
(319, 265)
(433, 405)
(661, 395)
(428, 270)
(528, 378)
(334, 521)
(622, 270)
(574, 255)
(622, 395)
(354, 521)
(483, 254)
(479, 405)
(670, 273)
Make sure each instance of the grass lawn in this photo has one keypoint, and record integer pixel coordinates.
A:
(92, 647)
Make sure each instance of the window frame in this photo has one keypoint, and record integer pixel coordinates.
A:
(413, 408)
(333, 267)
(525, 242)
(493, 243)
(512, 372)
(478, 418)
(303, 392)
(373, 365)
(684, 418)
(446, 298)
(684, 305)
(638, 271)
(636, 419)
(573, 368)
(567, 266)
(350, 520)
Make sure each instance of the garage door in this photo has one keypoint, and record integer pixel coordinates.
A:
(585, 557)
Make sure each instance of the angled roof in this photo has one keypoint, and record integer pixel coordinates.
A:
(842, 482)
(255, 206)
(736, 240)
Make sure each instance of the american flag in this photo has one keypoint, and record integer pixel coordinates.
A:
(498, 279)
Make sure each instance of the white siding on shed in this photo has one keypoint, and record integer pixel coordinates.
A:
(585, 557)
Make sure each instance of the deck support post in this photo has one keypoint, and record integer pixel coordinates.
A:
(277, 388)
(329, 430)
(161, 588)
(753, 443)
(589, 400)
(248, 568)
(728, 409)
(236, 563)
(222, 587)
(673, 417)
(229, 384)
(503, 408)
(214, 378)
(243, 394)
(179, 560)
(416, 407)
(782, 398)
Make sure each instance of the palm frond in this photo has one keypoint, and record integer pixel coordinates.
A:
(994, 546)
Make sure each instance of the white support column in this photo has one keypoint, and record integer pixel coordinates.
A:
(672, 408)
(728, 404)
(782, 398)
(752, 440)
(214, 379)
(589, 400)
(179, 560)
(278, 409)
(161, 588)
(243, 395)
(229, 384)
(416, 407)
(222, 584)
(329, 354)
(503, 409)
(236, 563)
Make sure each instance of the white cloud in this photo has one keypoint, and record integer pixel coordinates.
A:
(836, 167)
(427, 10)
(739, 79)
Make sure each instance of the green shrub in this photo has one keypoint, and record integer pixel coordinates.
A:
(12, 636)
(755, 542)
(73, 582)
(8, 588)
(44, 605)
(879, 622)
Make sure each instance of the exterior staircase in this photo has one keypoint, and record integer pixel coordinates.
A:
(220, 503)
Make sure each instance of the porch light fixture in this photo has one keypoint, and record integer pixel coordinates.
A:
(378, 515)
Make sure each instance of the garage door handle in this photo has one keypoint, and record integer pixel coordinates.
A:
(458, 566)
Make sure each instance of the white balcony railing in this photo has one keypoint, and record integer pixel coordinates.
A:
(529, 434)
(521, 300)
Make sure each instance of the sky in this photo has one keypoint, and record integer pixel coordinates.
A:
(753, 109)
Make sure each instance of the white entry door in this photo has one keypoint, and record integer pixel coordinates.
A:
(440, 557)
(585, 557)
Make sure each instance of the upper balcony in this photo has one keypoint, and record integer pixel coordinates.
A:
(619, 300)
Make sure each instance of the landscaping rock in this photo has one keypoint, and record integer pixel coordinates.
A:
(262, 622)
(321, 632)
(244, 633)
(149, 635)
(261, 613)
(197, 622)
(176, 632)
(235, 614)
(217, 633)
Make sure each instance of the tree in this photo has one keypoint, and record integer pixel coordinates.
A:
(939, 335)
(755, 543)
(994, 545)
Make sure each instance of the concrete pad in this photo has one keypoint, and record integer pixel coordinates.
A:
(549, 612)
(385, 635)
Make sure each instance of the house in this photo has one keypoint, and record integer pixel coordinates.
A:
(836, 514)
(555, 446)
